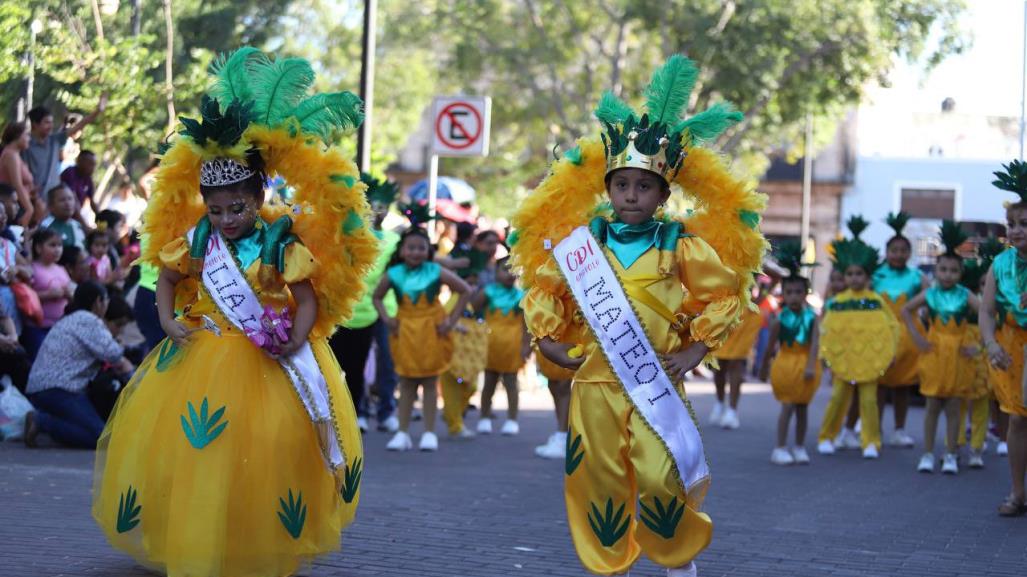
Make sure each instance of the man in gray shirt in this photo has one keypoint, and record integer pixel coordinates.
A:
(43, 156)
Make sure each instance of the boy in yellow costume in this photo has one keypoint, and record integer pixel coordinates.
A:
(1004, 302)
(658, 295)
(858, 338)
(234, 450)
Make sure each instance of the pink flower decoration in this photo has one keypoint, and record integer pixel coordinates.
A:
(274, 329)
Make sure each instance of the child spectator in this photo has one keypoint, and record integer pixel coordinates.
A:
(71, 357)
(61, 203)
(51, 282)
(97, 247)
(14, 362)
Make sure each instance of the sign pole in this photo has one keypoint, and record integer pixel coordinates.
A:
(367, 86)
(433, 191)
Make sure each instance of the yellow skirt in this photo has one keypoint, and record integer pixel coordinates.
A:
(209, 465)
(904, 371)
(1009, 383)
(418, 351)
(506, 334)
(786, 376)
(743, 337)
(979, 385)
(944, 372)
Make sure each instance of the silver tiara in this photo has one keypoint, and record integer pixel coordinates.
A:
(222, 172)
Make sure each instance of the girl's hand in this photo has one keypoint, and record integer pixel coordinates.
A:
(969, 352)
(68, 292)
(177, 332)
(679, 363)
(392, 323)
(557, 353)
(809, 373)
(525, 351)
(287, 348)
(998, 356)
(444, 327)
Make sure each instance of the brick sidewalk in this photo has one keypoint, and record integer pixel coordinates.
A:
(489, 508)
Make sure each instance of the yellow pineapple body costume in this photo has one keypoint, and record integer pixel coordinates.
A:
(858, 339)
(686, 279)
(505, 320)
(897, 287)
(418, 350)
(470, 351)
(1012, 334)
(210, 465)
(787, 372)
(944, 371)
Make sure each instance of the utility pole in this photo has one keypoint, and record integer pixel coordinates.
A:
(807, 184)
(367, 86)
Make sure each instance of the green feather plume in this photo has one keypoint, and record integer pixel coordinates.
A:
(952, 236)
(1013, 178)
(231, 73)
(383, 191)
(710, 123)
(278, 87)
(416, 212)
(789, 256)
(897, 222)
(613, 110)
(857, 224)
(223, 128)
(324, 114)
(668, 91)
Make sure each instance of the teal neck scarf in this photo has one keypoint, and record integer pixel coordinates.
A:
(628, 242)
(417, 282)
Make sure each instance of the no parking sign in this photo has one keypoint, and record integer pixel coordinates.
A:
(460, 125)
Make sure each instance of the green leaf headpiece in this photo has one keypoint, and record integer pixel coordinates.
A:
(383, 191)
(952, 237)
(855, 251)
(1013, 178)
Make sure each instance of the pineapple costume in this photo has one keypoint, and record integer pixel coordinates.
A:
(897, 287)
(979, 393)
(858, 339)
(505, 320)
(686, 279)
(743, 337)
(1009, 270)
(787, 371)
(470, 351)
(944, 371)
(417, 348)
(212, 463)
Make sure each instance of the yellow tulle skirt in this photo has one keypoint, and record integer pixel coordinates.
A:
(418, 351)
(210, 466)
(944, 371)
(1009, 383)
(786, 376)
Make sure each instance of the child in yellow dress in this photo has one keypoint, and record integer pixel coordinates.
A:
(234, 450)
(858, 339)
(657, 298)
(945, 360)
(731, 357)
(1005, 299)
(897, 283)
(795, 372)
(508, 348)
(419, 333)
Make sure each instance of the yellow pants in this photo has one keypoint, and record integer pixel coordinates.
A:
(838, 406)
(455, 397)
(615, 466)
(978, 409)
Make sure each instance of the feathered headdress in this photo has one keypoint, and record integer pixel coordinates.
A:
(897, 222)
(383, 191)
(1013, 178)
(658, 140)
(952, 237)
(789, 255)
(416, 212)
(855, 251)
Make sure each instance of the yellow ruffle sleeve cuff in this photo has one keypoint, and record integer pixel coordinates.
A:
(300, 264)
(175, 256)
(543, 304)
(711, 297)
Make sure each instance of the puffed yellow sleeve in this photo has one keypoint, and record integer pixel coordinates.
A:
(711, 298)
(543, 304)
(300, 264)
(175, 256)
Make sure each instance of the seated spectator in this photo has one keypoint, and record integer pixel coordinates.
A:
(14, 361)
(79, 180)
(51, 282)
(61, 204)
(72, 356)
(11, 231)
(76, 262)
(104, 389)
(97, 247)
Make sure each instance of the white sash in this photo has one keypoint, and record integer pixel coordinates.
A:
(231, 292)
(627, 348)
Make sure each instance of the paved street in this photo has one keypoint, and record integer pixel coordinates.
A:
(490, 508)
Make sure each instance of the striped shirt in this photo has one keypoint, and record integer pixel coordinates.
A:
(73, 353)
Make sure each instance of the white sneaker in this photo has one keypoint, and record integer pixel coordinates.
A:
(926, 464)
(730, 419)
(976, 459)
(1002, 449)
(781, 456)
(429, 442)
(401, 441)
(464, 434)
(686, 571)
(825, 448)
(362, 424)
(870, 452)
(717, 414)
(485, 426)
(850, 439)
(555, 447)
(900, 439)
(800, 455)
(859, 426)
(510, 428)
(949, 465)
(391, 424)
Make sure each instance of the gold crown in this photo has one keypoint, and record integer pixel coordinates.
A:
(631, 157)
